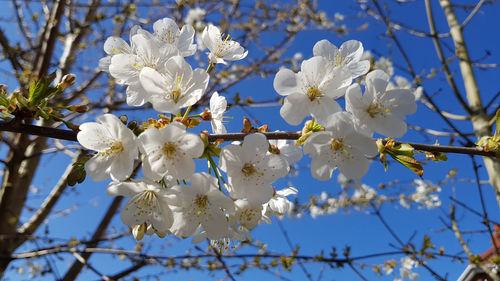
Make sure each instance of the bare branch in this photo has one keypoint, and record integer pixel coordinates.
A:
(34, 222)
(77, 266)
(480, 120)
(466, 248)
(439, 51)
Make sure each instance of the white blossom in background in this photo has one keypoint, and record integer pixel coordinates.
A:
(115, 145)
(178, 86)
(167, 31)
(347, 56)
(402, 83)
(382, 63)
(311, 91)
(170, 151)
(279, 205)
(250, 170)
(407, 264)
(195, 17)
(148, 205)
(425, 195)
(218, 105)
(339, 146)
(201, 204)
(379, 109)
(221, 49)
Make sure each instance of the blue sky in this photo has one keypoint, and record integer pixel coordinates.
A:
(359, 229)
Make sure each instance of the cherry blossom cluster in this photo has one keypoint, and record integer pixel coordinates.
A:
(345, 140)
(173, 196)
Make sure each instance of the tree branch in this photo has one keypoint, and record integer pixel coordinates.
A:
(34, 222)
(71, 136)
(466, 248)
(77, 266)
(439, 51)
(480, 120)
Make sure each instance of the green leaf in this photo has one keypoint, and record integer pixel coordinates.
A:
(41, 89)
(403, 153)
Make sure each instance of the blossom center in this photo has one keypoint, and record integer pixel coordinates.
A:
(201, 201)
(337, 144)
(247, 217)
(222, 46)
(114, 149)
(313, 93)
(375, 109)
(169, 149)
(248, 169)
(176, 94)
(145, 200)
(171, 37)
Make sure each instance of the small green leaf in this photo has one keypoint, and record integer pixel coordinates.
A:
(41, 89)
(403, 153)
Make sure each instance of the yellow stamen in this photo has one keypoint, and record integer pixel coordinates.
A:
(169, 150)
(336, 144)
(115, 148)
(248, 169)
(313, 93)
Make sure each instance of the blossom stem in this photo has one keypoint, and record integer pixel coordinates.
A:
(216, 171)
(210, 66)
(186, 113)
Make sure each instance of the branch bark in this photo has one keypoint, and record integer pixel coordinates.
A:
(479, 117)
(77, 266)
(71, 136)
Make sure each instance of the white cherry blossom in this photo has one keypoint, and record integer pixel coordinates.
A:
(379, 109)
(170, 151)
(115, 145)
(339, 146)
(113, 46)
(218, 105)
(167, 31)
(148, 206)
(248, 214)
(287, 150)
(178, 86)
(348, 56)
(201, 204)
(221, 49)
(311, 91)
(250, 170)
(279, 205)
(126, 67)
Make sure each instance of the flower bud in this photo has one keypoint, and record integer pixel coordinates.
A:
(67, 80)
(80, 108)
(206, 115)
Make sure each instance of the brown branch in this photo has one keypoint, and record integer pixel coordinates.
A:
(48, 39)
(4, 42)
(444, 63)
(479, 118)
(34, 222)
(71, 136)
(38, 253)
(77, 266)
(466, 248)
